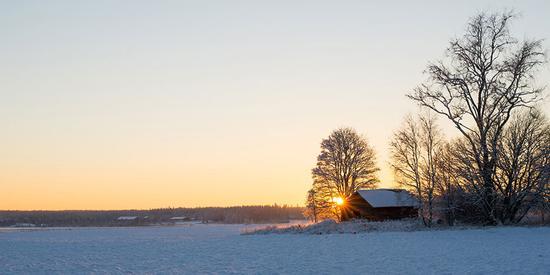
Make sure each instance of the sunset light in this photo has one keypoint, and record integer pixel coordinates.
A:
(338, 200)
(149, 137)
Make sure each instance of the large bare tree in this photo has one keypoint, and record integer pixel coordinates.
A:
(487, 75)
(346, 164)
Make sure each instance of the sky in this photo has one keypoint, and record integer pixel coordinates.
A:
(147, 104)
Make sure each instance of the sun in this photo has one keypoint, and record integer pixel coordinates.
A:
(338, 200)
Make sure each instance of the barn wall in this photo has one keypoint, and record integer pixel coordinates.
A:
(357, 208)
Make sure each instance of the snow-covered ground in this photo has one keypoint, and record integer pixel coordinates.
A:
(222, 249)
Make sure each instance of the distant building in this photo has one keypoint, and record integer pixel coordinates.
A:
(180, 220)
(127, 218)
(380, 204)
(24, 225)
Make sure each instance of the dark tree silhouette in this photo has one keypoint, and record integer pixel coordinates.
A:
(346, 164)
(488, 74)
(523, 170)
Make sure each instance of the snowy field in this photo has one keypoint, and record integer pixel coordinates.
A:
(221, 249)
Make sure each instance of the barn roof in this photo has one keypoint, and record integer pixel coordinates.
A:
(388, 198)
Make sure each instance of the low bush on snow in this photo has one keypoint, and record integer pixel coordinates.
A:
(350, 227)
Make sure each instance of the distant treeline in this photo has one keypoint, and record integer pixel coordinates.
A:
(232, 215)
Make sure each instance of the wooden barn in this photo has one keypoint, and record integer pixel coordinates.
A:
(380, 204)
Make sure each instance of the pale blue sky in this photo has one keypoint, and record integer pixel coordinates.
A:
(158, 103)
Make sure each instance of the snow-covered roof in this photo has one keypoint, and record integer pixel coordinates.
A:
(388, 198)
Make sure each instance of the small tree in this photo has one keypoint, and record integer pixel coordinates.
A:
(319, 205)
(414, 152)
(311, 206)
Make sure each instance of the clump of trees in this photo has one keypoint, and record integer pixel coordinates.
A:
(498, 169)
(495, 172)
(444, 177)
(346, 164)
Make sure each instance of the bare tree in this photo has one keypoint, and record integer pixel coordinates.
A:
(346, 164)
(319, 204)
(523, 169)
(431, 142)
(414, 150)
(544, 205)
(405, 158)
(447, 185)
(488, 74)
(311, 210)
